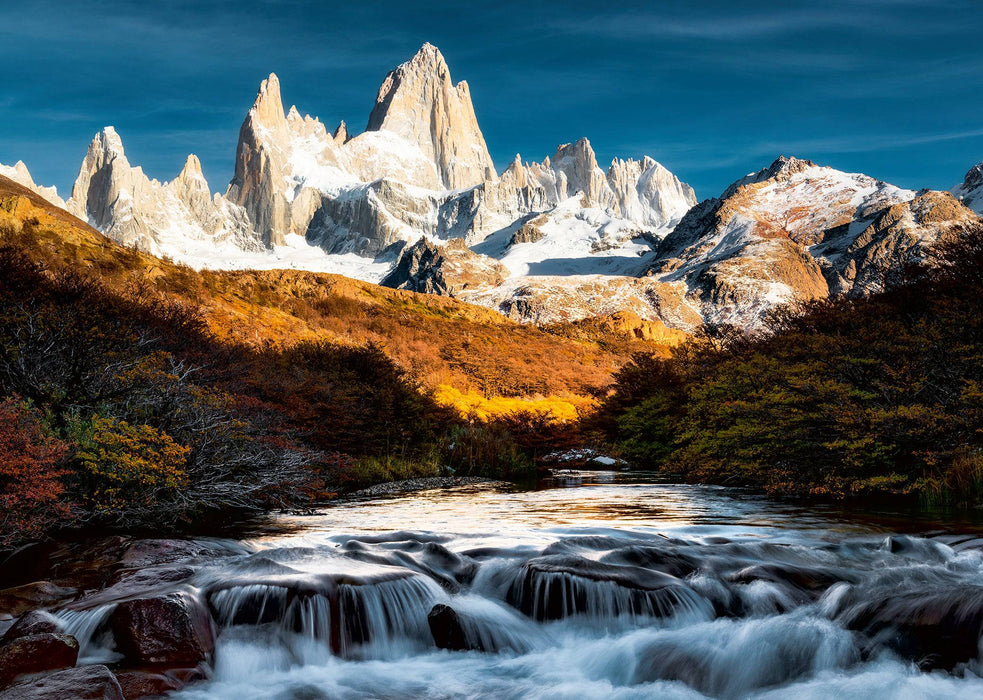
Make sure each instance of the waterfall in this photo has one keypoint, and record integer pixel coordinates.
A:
(91, 629)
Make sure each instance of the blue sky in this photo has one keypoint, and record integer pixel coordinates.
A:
(713, 90)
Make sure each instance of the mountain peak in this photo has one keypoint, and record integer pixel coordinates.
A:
(341, 133)
(974, 176)
(192, 168)
(19, 173)
(268, 106)
(419, 102)
(786, 166)
(579, 149)
(108, 142)
(429, 56)
(970, 190)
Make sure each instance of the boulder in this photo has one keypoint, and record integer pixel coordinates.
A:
(937, 629)
(174, 629)
(82, 683)
(557, 586)
(146, 553)
(142, 684)
(799, 582)
(150, 681)
(17, 601)
(33, 622)
(447, 630)
(36, 653)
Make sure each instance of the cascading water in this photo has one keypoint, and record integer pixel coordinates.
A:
(618, 590)
(89, 627)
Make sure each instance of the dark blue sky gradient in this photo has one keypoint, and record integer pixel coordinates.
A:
(713, 90)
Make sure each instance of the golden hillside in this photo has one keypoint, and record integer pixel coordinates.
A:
(471, 353)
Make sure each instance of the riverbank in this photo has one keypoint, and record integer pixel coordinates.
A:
(424, 484)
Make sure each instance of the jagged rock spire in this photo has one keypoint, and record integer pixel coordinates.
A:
(257, 183)
(267, 109)
(419, 102)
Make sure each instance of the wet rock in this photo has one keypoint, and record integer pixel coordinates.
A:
(173, 629)
(936, 629)
(40, 594)
(184, 676)
(667, 562)
(81, 565)
(558, 586)
(36, 653)
(737, 659)
(82, 683)
(33, 622)
(151, 577)
(145, 553)
(129, 583)
(801, 583)
(142, 684)
(154, 681)
(253, 604)
(917, 547)
(447, 630)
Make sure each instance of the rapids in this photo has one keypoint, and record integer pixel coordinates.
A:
(617, 588)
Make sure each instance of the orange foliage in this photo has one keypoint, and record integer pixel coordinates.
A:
(553, 408)
(30, 473)
(436, 340)
(130, 462)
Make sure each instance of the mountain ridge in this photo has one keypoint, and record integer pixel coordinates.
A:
(543, 242)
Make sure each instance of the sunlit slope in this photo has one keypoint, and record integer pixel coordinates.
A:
(440, 341)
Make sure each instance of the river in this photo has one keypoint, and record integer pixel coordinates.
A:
(600, 585)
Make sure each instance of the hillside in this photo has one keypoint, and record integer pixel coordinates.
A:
(439, 341)
(138, 393)
(850, 397)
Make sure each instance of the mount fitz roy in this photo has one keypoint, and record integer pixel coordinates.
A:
(415, 202)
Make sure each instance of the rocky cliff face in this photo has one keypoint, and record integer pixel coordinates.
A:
(275, 156)
(449, 269)
(397, 180)
(419, 102)
(126, 205)
(22, 176)
(796, 231)
(970, 190)
(642, 192)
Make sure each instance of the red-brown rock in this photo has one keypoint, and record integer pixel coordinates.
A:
(39, 594)
(82, 683)
(174, 629)
(33, 622)
(142, 684)
(36, 653)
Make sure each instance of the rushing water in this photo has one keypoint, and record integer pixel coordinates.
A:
(608, 590)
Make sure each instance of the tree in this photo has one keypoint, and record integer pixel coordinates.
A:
(129, 467)
(31, 471)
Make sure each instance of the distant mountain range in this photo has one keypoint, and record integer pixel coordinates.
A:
(415, 202)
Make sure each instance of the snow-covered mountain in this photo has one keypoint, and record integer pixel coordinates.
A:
(797, 231)
(22, 176)
(415, 202)
(970, 190)
(302, 196)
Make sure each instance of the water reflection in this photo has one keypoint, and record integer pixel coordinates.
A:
(573, 501)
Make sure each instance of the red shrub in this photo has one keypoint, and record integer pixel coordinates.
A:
(30, 474)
